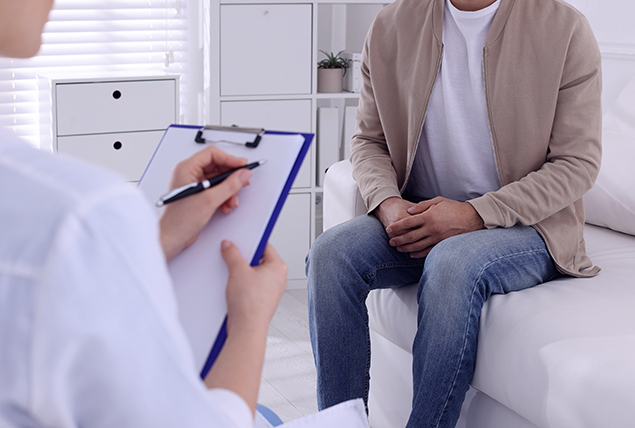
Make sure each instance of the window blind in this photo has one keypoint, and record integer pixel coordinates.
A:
(95, 37)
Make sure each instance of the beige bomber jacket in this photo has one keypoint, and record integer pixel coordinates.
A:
(542, 70)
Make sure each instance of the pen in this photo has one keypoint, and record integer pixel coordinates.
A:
(190, 189)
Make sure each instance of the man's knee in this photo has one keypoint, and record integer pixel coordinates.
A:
(452, 254)
(466, 254)
(330, 246)
(344, 243)
(453, 268)
(489, 261)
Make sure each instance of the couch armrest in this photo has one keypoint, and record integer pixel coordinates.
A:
(342, 200)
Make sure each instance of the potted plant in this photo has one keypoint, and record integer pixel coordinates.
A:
(331, 72)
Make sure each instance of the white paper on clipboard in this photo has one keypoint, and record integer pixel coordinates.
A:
(199, 273)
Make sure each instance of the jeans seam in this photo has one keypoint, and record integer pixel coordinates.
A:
(381, 266)
(478, 279)
(366, 278)
(467, 327)
(367, 372)
(509, 256)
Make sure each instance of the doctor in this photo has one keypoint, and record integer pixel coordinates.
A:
(88, 325)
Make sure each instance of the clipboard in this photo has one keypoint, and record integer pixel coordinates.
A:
(199, 273)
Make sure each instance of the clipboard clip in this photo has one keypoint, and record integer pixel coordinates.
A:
(259, 132)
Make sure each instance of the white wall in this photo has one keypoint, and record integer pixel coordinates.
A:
(344, 26)
(613, 22)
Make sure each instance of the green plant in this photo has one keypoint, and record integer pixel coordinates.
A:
(333, 61)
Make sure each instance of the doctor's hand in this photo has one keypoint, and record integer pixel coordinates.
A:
(430, 222)
(252, 295)
(181, 221)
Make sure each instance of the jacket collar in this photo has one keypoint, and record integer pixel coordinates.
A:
(497, 25)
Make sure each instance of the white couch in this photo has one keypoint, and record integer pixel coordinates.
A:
(561, 354)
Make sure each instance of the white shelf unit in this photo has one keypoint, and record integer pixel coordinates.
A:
(263, 59)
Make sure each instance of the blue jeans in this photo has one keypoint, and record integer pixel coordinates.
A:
(455, 280)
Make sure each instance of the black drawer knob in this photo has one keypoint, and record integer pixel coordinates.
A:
(116, 95)
(117, 145)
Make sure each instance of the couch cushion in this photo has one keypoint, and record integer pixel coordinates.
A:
(342, 200)
(392, 313)
(559, 354)
(611, 201)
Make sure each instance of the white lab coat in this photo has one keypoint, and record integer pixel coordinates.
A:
(89, 335)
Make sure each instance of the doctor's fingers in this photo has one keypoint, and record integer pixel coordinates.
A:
(271, 260)
(225, 194)
(273, 271)
(213, 161)
(204, 164)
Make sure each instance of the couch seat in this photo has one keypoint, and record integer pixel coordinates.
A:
(560, 354)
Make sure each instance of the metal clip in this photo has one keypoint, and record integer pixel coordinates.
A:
(259, 132)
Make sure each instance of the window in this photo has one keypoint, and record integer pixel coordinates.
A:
(96, 37)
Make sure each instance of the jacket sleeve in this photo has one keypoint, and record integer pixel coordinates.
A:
(574, 152)
(372, 165)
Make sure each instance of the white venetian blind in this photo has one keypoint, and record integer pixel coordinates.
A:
(95, 37)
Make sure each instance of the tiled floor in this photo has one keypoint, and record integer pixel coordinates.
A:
(288, 380)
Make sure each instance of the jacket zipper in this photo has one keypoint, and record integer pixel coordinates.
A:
(489, 123)
(425, 114)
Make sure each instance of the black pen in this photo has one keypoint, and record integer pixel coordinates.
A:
(193, 188)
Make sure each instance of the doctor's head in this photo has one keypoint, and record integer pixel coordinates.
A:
(21, 24)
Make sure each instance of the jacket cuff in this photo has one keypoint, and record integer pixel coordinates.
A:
(488, 210)
(373, 201)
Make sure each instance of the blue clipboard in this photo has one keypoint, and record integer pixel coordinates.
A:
(285, 152)
(222, 334)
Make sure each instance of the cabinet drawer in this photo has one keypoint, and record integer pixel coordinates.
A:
(291, 237)
(93, 108)
(127, 154)
(266, 49)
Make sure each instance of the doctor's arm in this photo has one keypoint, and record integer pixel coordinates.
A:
(252, 293)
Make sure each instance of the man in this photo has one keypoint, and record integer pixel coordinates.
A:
(478, 133)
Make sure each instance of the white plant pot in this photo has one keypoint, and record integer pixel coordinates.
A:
(330, 79)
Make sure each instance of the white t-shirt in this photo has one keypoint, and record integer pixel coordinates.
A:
(455, 155)
(89, 332)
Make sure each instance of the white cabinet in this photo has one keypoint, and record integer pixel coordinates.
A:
(263, 61)
(265, 49)
(112, 122)
(291, 237)
(127, 153)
